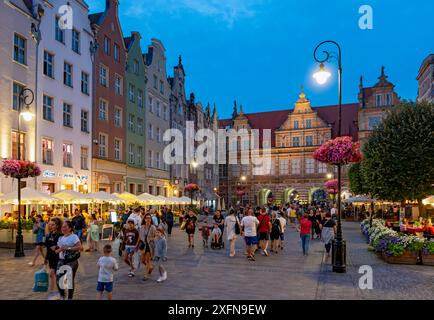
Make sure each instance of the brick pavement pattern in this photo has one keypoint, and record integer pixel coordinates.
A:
(205, 274)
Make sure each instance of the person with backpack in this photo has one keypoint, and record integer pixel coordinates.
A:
(328, 231)
(232, 227)
(275, 232)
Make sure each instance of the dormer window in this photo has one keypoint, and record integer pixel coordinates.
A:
(378, 100)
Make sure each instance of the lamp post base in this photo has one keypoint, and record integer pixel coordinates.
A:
(339, 256)
(19, 246)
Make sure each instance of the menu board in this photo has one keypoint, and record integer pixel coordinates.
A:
(107, 232)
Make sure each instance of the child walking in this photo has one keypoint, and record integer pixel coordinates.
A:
(107, 266)
(205, 235)
(160, 255)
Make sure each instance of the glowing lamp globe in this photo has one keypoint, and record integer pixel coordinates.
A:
(27, 116)
(322, 75)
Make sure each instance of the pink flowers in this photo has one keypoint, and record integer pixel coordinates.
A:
(20, 169)
(332, 186)
(341, 150)
(191, 187)
(240, 192)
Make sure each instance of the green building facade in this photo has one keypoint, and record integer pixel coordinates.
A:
(135, 102)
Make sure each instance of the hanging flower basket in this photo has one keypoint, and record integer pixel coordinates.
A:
(191, 187)
(20, 169)
(240, 193)
(339, 151)
(332, 186)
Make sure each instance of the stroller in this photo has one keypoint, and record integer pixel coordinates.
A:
(217, 244)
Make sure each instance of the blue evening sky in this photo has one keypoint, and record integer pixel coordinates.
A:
(261, 51)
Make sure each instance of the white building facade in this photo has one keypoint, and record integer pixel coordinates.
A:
(64, 111)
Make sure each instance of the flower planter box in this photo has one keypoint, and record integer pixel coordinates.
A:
(428, 260)
(406, 258)
(6, 236)
(29, 237)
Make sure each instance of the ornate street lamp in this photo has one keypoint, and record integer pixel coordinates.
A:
(321, 76)
(25, 99)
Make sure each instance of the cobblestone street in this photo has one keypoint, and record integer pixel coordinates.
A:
(204, 274)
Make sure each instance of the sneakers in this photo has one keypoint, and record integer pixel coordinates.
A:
(251, 258)
(162, 278)
(131, 274)
(265, 252)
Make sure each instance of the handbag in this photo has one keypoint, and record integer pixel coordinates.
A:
(183, 225)
(142, 245)
(70, 256)
(237, 227)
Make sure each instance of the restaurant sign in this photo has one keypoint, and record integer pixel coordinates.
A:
(49, 174)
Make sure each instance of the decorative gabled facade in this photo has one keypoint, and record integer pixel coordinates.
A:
(108, 134)
(157, 119)
(373, 104)
(295, 135)
(135, 121)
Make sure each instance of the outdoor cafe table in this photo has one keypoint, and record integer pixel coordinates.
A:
(429, 230)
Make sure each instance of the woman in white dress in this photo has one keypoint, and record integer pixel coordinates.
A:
(230, 223)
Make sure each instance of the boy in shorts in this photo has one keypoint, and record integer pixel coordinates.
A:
(107, 266)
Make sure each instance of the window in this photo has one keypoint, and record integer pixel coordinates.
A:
(151, 189)
(157, 191)
(103, 76)
(47, 151)
(157, 160)
(131, 150)
(106, 46)
(67, 115)
(118, 85)
(309, 141)
(296, 124)
(75, 41)
(85, 82)
(388, 99)
(136, 67)
(118, 147)
(84, 121)
(140, 126)
(102, 145)
(162, 86)
(15, 146)
(60, 34)
(67, 155)
(373, 122)
(378, 100)
(151, 109)
(150, 132)
(308, 124)
(165, 113)
(310, 166)
(150, 158)
(322, 167)
(118, 117)
(158, 109)
(295, 141)
(47, 108)
(158, 135)
(48, 64)
(16, 91)
(155, 82)
(131, 120)
(116, 52)
(140, 98)
(103, 110)
(118, 187)
(131, 92)
(139, 188)
(296, 166)
(139, 155)
(84, 155)
(283, 164)
(67, 74)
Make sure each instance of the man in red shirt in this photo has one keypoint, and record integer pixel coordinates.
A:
(305, 228)
(264, 229)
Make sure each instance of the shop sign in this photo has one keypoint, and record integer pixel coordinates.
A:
(49, 174)
(68, 176)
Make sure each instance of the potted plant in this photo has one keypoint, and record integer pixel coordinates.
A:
(192, 188)
(428, 253)
(5, 232)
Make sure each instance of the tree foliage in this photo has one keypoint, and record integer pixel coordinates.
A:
(399, 155)
(357, 183)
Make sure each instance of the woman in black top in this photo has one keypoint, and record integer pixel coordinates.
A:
(169, 220)
(190, 227)
(311, 217)
(52, 258)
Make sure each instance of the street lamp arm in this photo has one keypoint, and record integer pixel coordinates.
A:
(327, 53)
